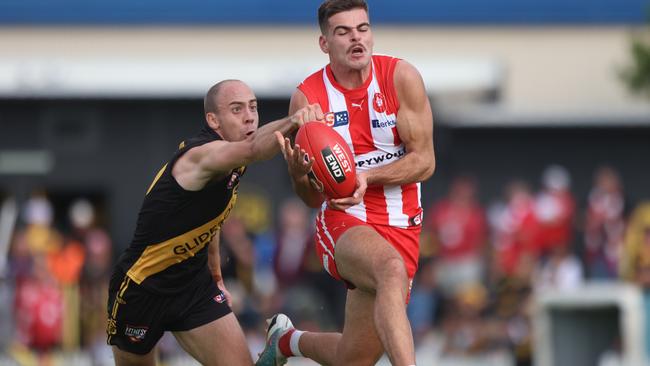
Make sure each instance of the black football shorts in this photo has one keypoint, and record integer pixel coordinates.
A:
(137, 318)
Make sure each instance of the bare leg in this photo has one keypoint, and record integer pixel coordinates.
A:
(220, 342)
(375, 313)
(123, 358)
(359, 343)
(366, 259)
(320, 347)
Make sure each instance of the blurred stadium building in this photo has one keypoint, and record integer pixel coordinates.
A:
(94, 96)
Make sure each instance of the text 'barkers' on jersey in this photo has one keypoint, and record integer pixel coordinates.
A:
(382, 124)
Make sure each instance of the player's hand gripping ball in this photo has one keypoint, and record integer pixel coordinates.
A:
(334, 169)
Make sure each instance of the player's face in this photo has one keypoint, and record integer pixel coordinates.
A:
(349, 40)
(237, 112)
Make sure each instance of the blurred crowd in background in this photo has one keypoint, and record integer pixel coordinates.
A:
(481, 264)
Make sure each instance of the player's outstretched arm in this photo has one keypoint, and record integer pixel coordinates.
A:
(201, 164)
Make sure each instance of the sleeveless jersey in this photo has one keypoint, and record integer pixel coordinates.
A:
(366, 118)
(168, 252)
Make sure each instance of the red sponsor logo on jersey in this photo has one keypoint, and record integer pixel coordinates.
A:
(336, 119)
(379, 103)
(329, 119)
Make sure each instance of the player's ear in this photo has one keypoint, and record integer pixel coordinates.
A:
(213, 122)
(322, 42)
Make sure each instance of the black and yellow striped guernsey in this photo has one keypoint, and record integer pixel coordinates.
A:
(168, 252)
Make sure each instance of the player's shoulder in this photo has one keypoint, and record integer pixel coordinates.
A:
(405, 72)
(394, 69)
(384, 64)
(313, 78)
(383, 59)
(409, 84)
(311, 89)
(390, 63)
(194, 156)
(298, 100)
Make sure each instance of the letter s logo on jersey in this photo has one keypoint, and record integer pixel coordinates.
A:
(379, 103)
(335, 119)
(329, 119)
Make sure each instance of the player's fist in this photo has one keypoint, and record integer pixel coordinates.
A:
(309, 113)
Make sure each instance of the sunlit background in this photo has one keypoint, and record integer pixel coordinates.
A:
(536, 241)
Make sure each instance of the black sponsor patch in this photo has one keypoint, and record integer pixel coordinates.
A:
(416, 220)
(135, 334)
(333, 164)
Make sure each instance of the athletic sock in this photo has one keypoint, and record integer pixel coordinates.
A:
(288, 343)
(294, 343)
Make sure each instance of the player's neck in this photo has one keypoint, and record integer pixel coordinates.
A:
(350, 78)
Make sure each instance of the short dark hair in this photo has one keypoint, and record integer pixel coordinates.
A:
(332, 7)
(210, 100)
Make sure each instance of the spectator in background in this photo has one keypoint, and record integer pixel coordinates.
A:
(561, 271)
(237, 266)
(635, 263)
(515, 230)
(294, 236)
(95, 275)
(642, 278)
(425, 299)
(8, 216)
(39, 309)
(293, 242)
(247, 258)
(555, 209)
(516, 247)
(604, 224)
(38, 303)
(41, 237)
(20, 257)
(459, 229)
(237, 255)
(464, 329)
(635, 250)
(299, 272)
(510, 310)
(65, 266)
(555, 212)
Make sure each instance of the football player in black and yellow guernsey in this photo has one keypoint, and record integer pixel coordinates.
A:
(169, 278)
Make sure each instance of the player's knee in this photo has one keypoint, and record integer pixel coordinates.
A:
(394, 272)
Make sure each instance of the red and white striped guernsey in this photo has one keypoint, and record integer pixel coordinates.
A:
(366, 118)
